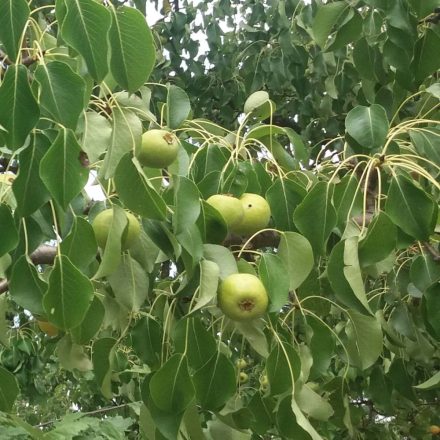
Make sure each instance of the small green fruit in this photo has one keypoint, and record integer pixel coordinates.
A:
(102, 225)
(242, 297)
(256, 214)
(264, 381)
(241, 363)
(243, 377)
(230, 208)
(158, 149)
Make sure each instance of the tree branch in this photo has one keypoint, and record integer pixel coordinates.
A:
(432, 251)
(27, 61)
(44, 254)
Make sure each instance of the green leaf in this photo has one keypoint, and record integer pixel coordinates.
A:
(192, 421)
(8, 390)
(126, 137)
(72, 356)
(211, 224)
(80, 245)
(171, 387)
(29, 190)
(145, 252)
(424, 271)
(192, 245)
(209, 276)
(275, 277)
(222, 257)
(380, 389)
(401, 379)
(186, 204)
(283, 368)
(322, 347)
(9, 239)
(253, 331)
(423, 8)
(68, 296)
(19, 111)
(96, 137)
(347, 199)
(85, 27)
(379, 241)
(4, 322)
(347, 33)
(431, 300)
(61, 92)
(410, 208)
(431, 384)
(14, 15)
(145, 201)
(313, 404)
(90, 324)
(146, 339)
(178, 107)
(103, 354)
(368, 126)
(167, 424)
(425, 60)
(111, 255)
(129, 283)
(365, 59)
(192, 338)
(262, 414)
(26, 287)
(327, 16)
(209, 159)
(283, 197)
(297, 254)
(301, 152)
(352, 271)
(315, 217)
(337, 277)
(215, 382)
(133, 54)
(162, 237)
(365, 339)
(287, 422)
(426, 142)
(255, 100)
(61, 169)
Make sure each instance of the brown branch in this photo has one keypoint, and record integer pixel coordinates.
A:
(44, 254)
(264, 239)
(26, 61)
(432, 251)
(89, 413)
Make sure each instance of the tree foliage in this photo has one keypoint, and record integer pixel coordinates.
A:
(330, 111)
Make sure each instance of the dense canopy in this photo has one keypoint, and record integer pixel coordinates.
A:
(319, 125)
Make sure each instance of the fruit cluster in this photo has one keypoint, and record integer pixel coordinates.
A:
(241, 296)
(244, 216)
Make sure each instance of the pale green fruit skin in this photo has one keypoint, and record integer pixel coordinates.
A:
(102, 224)
(7, 178)
(158, 148)
(243, 377)
(241, 363)
(264, 381)
(256, 214)
(230, 208)
(242, 297)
